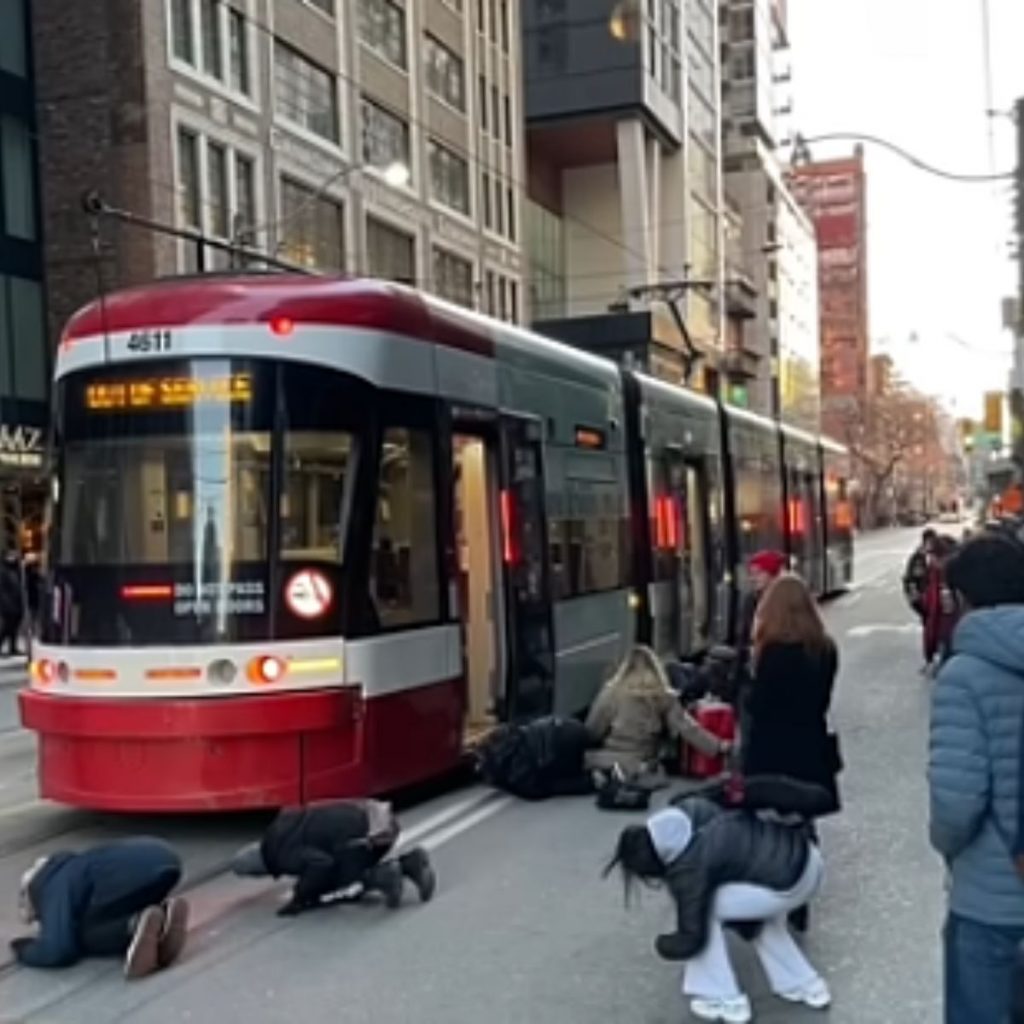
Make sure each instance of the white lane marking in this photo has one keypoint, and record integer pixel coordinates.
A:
(435, 821)
(850, 599)
(432, 842)
(869, 629)
(598, 641)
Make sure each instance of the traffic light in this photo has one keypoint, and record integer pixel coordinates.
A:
(994, 412)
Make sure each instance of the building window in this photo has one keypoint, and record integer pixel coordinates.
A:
(213, 43)
(449, 178)
(217, 189)
(404, 582)
(510, 198)
(382, 28)
(327, 6)
(305, 93)
(182, 29)
(213, 38)
(702, 120)
(495, 112)
(452, 277)
(445, 74)
(391, 252)
(482, 82)
(485, 191)
(508, 121)
(385, 137)
(27, 343)
(491, 306)
(499, 207)
(455, 5)
(19, 210)
(238, 53)
(504, 26)
(312, 232)
(188, 180)
(245, 199)
(545, 243)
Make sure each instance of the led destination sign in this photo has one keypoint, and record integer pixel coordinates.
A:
(169, 393)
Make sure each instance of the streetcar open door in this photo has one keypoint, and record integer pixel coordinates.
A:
(530, 673)
(480, 591)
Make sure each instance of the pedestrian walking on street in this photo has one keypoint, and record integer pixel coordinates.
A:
(332, 847)
(725, 866)
(974, 771)
(940, 608)
(633, 716)
(12, 604)
(112, 900)
(762, 569)
(786, 729)
(915, 575)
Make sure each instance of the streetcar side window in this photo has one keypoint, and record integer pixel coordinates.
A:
(316, 469)
(404, 572)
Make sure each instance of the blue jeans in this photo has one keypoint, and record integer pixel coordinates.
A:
(980, 960)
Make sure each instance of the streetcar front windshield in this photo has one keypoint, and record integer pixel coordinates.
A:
(164, 527)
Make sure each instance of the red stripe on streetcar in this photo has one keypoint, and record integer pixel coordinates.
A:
(283, 301)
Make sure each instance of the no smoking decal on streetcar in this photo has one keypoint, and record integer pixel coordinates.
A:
(308, 594)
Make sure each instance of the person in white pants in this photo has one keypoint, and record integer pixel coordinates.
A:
(728, 866)
(709, 978)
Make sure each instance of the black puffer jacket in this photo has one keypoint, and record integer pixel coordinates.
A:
(727, 846)
(301, 835)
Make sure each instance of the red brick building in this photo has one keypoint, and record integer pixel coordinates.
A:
(833, 192)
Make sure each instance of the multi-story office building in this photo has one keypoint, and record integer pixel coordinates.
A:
(24, 351)
(377, 137)
(777, 237)
(624, 164)
(834, 194)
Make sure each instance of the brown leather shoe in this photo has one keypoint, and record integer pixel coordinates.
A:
(142, 957)
(174, 932)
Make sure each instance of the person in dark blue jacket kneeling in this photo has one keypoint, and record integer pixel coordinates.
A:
(111, 900)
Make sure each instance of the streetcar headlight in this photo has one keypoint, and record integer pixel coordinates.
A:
(221, 672)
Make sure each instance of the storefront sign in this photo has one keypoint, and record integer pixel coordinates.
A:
(21, 446)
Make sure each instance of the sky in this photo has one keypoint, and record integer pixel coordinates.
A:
(912, 71)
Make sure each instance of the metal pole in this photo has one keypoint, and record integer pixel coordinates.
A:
(1017, 377)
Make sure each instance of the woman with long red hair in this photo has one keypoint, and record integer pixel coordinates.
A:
(786, 715)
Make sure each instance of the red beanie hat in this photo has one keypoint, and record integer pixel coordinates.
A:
(770, 562)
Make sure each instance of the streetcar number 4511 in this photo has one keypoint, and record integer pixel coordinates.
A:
(150, 341)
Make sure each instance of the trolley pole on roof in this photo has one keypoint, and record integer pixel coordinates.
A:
(95, 206)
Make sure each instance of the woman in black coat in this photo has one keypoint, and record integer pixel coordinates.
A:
(786, 715)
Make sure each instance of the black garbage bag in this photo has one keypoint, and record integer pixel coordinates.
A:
(536, 760)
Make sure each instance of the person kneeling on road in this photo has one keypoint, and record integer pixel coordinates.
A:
(332, 847)
(112, 900)
(726, 867)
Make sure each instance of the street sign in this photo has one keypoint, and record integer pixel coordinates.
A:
(308, 594)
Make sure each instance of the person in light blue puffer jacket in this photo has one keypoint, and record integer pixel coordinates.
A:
(977, 717)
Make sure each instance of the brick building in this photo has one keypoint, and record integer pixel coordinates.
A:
(279, 123)
(833, 192)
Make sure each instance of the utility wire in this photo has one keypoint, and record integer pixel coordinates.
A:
(915, 161)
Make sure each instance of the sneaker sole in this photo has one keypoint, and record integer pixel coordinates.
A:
(142, 957)
(175, 932)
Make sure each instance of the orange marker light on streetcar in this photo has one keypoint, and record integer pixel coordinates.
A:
(282, 326)
(266, 670)
(44, 672)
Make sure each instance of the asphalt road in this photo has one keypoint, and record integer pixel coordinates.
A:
(523, 928)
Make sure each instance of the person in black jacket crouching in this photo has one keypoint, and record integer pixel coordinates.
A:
(112, 900)
(332, 847)
(724, 867)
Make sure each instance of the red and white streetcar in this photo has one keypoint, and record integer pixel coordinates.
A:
(311, 537)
